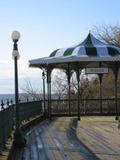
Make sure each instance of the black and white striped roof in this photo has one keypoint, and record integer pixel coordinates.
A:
(91, 49)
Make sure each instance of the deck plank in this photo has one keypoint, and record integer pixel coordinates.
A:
(61, 140)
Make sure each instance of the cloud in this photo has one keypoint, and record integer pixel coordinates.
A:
(24, 72)
(6, 69)
(6, 85)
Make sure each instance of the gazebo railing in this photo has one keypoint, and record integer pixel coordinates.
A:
(87, 106)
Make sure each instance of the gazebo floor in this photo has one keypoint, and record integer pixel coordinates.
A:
(63, 138)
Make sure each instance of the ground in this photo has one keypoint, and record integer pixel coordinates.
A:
(92, 138)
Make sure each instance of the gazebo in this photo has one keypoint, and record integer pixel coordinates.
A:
(92, 55)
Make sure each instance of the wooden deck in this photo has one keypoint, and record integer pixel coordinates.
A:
(95, 138)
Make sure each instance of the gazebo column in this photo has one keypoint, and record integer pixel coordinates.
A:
(100, 80)
(115, 70)
(78, 87)
(49, 91)
(43, 77)
(68, 78)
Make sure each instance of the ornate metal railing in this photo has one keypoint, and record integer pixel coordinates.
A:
(87, 106)
(30, 109)
(6, 124)
(7, 117)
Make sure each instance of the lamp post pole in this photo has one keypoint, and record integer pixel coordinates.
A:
(16, 92)
(19, 139)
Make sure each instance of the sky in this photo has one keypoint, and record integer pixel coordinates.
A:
(46, 25)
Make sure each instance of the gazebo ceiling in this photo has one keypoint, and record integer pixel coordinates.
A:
(91, 50)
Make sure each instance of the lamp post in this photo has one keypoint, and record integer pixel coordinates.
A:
(15, 54)
(43, 77)
(19, 139)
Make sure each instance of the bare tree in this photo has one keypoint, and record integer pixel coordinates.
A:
(59, 84)
(109, 34)
(30, 91)
(88, 86)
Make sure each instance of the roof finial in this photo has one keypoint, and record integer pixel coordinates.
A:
(89, 31)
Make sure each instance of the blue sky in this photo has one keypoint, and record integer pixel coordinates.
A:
(44, 26)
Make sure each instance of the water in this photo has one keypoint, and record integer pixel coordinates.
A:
(23, 97)
(4, 97)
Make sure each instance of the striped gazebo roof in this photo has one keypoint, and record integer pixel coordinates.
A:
(90, 50)
(89, 47)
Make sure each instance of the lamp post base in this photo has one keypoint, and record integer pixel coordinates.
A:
(19, 139)
(116, 118)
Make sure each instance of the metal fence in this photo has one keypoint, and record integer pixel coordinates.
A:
(30, 109)
(6, 124)
(7, 117)
(87, 106)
